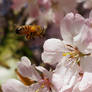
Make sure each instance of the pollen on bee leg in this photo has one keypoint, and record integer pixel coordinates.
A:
(33, 27)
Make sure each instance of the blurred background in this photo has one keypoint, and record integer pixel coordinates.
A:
(46, 13)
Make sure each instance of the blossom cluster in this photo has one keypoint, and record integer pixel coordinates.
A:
(72, 55)
(45, 10)
(70, 61)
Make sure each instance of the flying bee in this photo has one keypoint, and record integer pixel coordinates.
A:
(30, 31)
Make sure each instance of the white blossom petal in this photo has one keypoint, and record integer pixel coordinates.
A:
(65, 76)
(53, 49)
(13, 85)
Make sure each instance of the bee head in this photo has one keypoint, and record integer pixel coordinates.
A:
(19, 30)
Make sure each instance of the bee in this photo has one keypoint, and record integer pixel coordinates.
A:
(30, 31)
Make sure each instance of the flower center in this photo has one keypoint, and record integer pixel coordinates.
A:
(74, 53)
(44, 83)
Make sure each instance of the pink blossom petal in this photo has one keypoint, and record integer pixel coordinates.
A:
(46, 73)
(85, 85)
(84, 38)
(33, 8)
(18, 4)
(66, 5)
(86, 64)
(38, 88)
(57, 17)
(45, 17)
(28, 70)
(90, 14)
(76, 89)
(13, 85)
(79, 1)
(65, 27)
(88, 4)
(44, 4)
(62, 7)
(70, 26)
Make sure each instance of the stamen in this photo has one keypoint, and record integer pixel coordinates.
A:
(81, 74)
(69, 62)
(75, 55)
(37, 90)
(42, 86)
(69, 45)
(66, 53)
(74, 63)
(46, 83)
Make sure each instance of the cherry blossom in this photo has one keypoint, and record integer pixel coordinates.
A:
(17, 4)
(59, 8)
(44, 9)
(35, 83)
(31, 6)
(76, 36)
(71, 55)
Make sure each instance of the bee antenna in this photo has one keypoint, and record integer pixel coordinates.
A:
(16, 25)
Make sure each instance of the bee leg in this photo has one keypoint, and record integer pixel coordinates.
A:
(28, 36)
(32, 36)
(41, 36)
